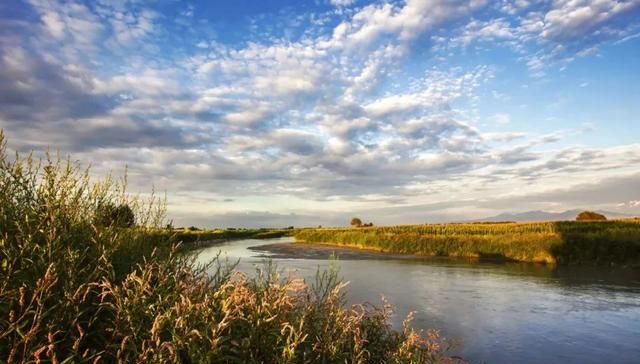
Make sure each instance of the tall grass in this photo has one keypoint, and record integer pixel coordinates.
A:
(73, 291)
(603, 242)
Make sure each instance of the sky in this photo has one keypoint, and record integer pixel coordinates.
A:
(304, 113)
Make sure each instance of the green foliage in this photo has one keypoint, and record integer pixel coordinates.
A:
(110, 215)
(605, 242)
(73, 290)
(590, 216)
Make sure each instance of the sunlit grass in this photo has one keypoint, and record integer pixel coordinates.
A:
(602, 242)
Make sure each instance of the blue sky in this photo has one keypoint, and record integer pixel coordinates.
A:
(263, 113)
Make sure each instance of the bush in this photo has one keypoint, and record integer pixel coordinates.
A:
(110, 215)
(590, 216)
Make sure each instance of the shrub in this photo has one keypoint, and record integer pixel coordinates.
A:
(110, 215)
(590, 216)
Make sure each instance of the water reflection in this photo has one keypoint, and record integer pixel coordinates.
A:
(498, 313)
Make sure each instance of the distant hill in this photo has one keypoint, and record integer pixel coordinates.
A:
(544, 216)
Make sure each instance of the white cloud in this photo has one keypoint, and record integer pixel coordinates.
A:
(513, 7)
(72, 23)
(341, 2)
(487, 31)
(573, 19)
(128, 27)
(404, 22)
(439, 88)
(554, 33)
(502, 118)
(54, 24)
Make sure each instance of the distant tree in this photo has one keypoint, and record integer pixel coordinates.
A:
(124, 217)
(356, 222)
(290, 228)
(110, 215)
(193, 228)
(590, 216)
(319, 226)
(369, 224)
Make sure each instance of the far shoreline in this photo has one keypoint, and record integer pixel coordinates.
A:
(304, 250)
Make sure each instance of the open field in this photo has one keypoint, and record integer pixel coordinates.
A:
(615, 242)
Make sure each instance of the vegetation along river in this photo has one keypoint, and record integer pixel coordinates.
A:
(493, 312)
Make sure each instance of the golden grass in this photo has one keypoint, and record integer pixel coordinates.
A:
(602, 242)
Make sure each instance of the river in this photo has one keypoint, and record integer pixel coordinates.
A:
(493, 312)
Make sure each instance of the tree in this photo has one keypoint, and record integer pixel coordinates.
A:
(356, 222)
(590, 216)
(110, 215)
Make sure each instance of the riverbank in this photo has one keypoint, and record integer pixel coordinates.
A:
(202, 238)
(319, 251)
(569, 242)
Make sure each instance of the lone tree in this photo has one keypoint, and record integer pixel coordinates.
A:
(590, 216)
(110, 215)
(356, 222)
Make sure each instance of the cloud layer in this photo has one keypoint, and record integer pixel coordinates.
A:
(342, 108)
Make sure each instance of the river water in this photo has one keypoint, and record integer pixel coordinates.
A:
(493, 312)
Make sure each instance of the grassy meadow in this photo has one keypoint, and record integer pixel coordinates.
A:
(85, 277)
(615, 242)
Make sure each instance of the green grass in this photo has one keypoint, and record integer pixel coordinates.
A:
(74, 289)
(195, 239)
(615, 242)
(191, 239)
